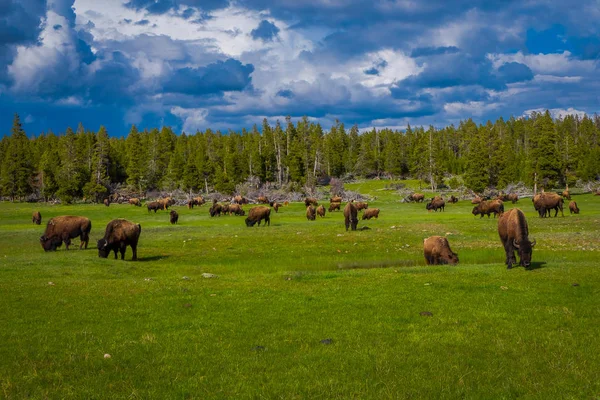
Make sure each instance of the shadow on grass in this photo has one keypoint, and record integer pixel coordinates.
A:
(377, 264)
(536, 265)
(152, 258)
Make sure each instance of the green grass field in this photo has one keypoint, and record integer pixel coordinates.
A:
(256, 330)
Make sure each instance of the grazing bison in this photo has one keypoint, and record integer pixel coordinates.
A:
(173, 217)
(437, 251)
(566, 194)
(240, 200)
(371, 213)
(514, 234)
(546, 201)
(36, 218)
(321, 211)
(487, 207)
(361, 205)
(154, 206)
(235, 209)
(416, 197)
(216, 210)
(436, 204)
(165, 203)
(135, 201)
(275, 205)
(119, 234)
(476, 200)
(350, 216)
(335, 199)
(513, 197)
(286, 203)
(335, 206)
(106, 202)
(453, 199)
(573, 207)
(311, 213)
(262, 200)
(63, 229)
(196, 201)
(310, 201)
(257, 214)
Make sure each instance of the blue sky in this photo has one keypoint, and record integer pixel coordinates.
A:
(224, 64)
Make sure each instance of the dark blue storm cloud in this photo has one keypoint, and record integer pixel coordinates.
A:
(229, 75)
(265, 31)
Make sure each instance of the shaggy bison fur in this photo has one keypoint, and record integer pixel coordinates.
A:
(154, 206)
(63, 229)
(173, 217)
(350, 216)
(371, 213)
(514, 235)
(335, 206)
(437, 251)
(310, 201)
(573, 208)
(135, 201)
(36, 218)
(119, 234)
(417, 197)
(436, 204)
(321, 211)
(311, 213)
(257, 214)
(487, 207)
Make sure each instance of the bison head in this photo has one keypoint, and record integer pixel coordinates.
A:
(525, 250)
(250, 222)
(451, 258)
(428, 206)
(50, 244)
(103, 249)
(475, 210)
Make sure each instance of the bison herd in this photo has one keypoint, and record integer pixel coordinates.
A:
(512, 225)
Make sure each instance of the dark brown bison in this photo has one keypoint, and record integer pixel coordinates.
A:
(437, 251)
(275, 205)
(240, 200)
(453, 199)
(173, 216)
(166, 203)
(154, 206)
(257, 214)
(573, 208)
(196, 201)
(546, 201)
(216, 210)
(106, 202)
(487, 207)
(361, 205)
(476, 200)
(350, 216)
(371, 213)
(335, 206)
(235, 209)
(311, 213)
(566, 194)
(514, 235)
(436, 204)
(63, 229)
(286, 203)
(190, 204)
(262, 200)
(513, 197)
(417, 197)
(321, 211)
(119, 234)
(335, 199)
(36, 218)
(135, 201)
(310, 201)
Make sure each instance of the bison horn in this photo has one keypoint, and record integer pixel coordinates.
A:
(533, 243)
(515, 244)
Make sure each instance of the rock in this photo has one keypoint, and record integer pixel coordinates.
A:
(503, 287)
(426, 314)
(208, 276)
(147, 279)
(51, 283)
(107, 355)
(327, 341)
(186, 278)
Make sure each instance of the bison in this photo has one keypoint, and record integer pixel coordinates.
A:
(546, 201)
(350, 216)
(321, 211)
(513, 197)
(36, 218)
(476, 200)
(154, 206)
(173, 217)
(416, 197)
(257, 214)
(566, 194)
(63, 229)
(106, 202)
(514, 235)
(235, 209)
(262, 200)
(310, 201)
(166, 203)
(135, 201)
(436, 204)
(487, 207)
(335, 199)
(573, 208)
(240, 200)
(275, 205)
(361, 205)
(371, 213)
(437, 251)
(453, 199)
(216, 210)
(334, 206)
(119, 234)
(311, 213)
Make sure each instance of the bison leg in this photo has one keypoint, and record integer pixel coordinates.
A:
(510, 254)
(116, 251)
(354, 224)
(67, 243)
(267, 221)
(122, 251)
(85, 238)
(347, 223)
(134, 250)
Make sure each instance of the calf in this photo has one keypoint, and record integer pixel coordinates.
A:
(573, 208)
(437, 251)
(173, 217)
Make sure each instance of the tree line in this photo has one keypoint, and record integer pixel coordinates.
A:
(84, 163)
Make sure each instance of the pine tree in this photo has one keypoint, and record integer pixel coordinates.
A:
(97, 187)
(17, 170)
(69, 174)
(476, 176)
(136, 174)
(544, 157)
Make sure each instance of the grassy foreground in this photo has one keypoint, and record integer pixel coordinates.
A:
(259, 329)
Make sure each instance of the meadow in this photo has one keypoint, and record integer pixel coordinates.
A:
(301, 309)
